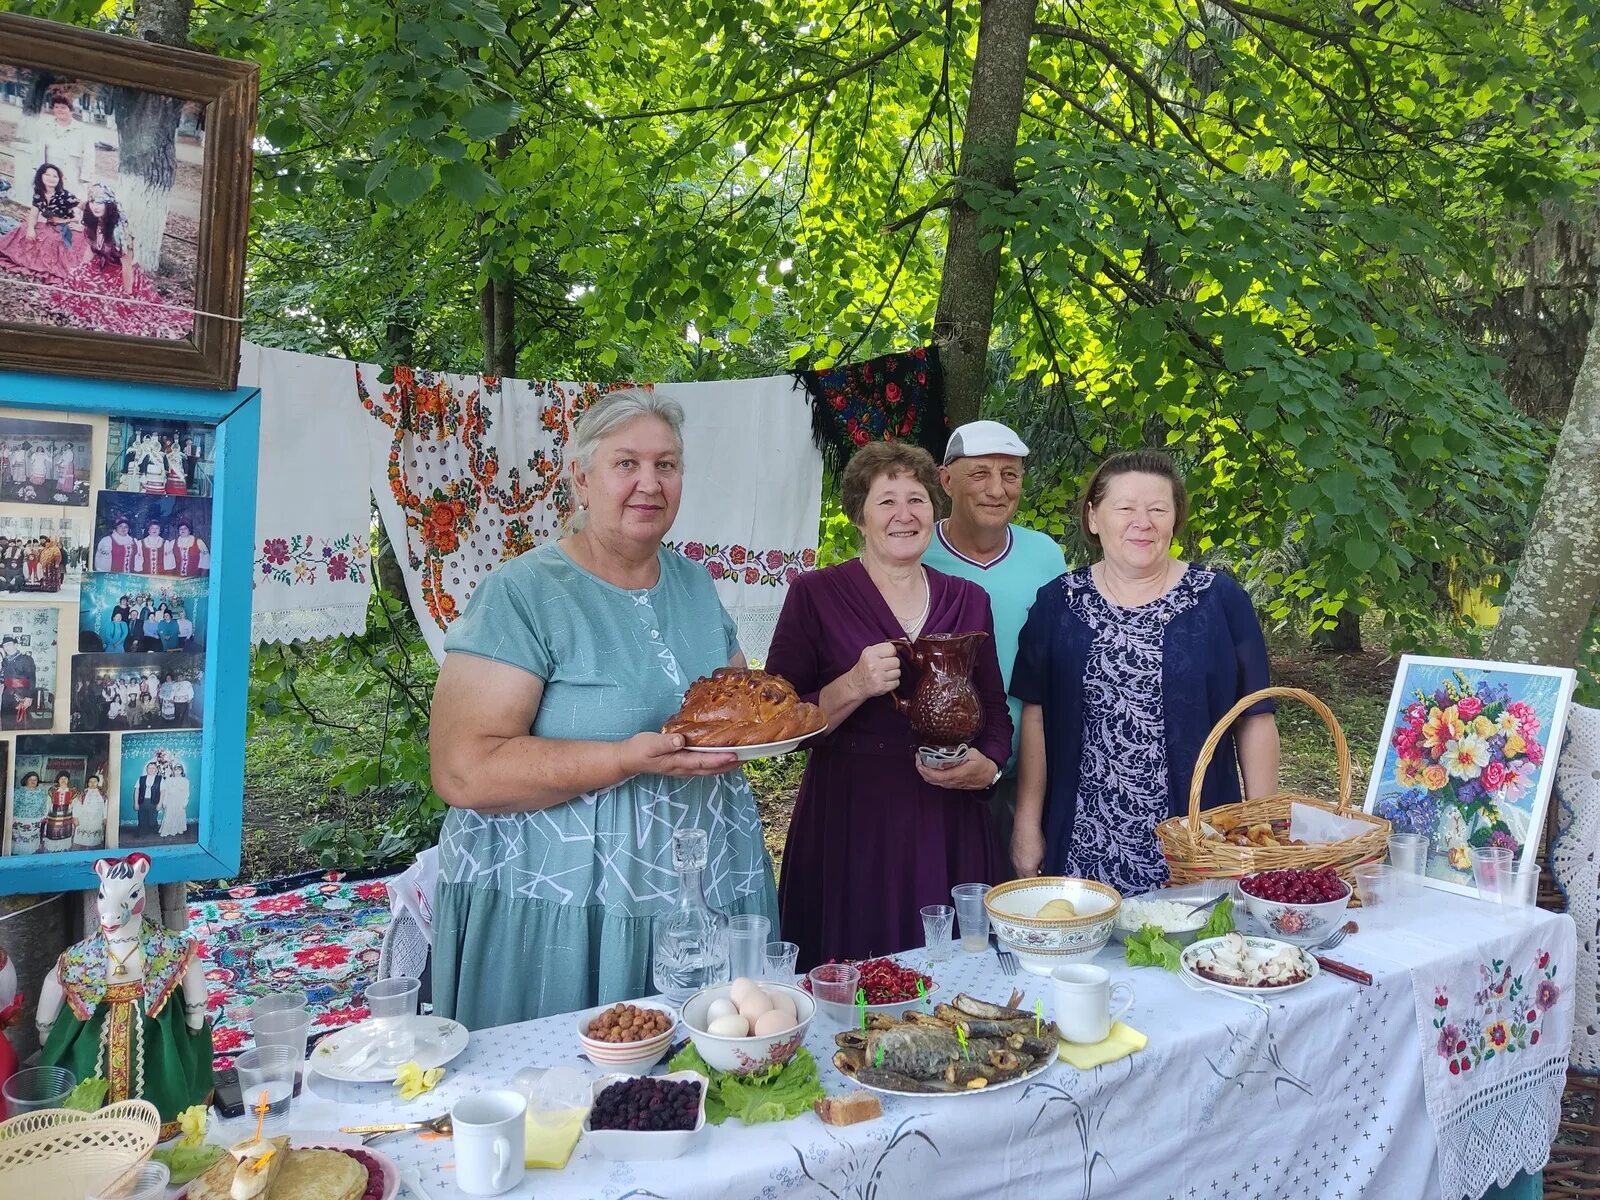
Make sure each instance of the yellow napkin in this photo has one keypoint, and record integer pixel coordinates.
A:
(1122, 1041)
(552, 1135)
(412, 1080)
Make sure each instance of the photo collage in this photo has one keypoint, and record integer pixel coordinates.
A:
(105, 564)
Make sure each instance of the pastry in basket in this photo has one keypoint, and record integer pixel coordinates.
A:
(735, 706)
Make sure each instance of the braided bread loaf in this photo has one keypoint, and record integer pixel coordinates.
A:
(734, 707)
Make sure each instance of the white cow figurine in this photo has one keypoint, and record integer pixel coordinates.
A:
(116, 986)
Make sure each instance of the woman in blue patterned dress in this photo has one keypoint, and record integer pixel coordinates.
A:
(557, 852)
(1123, 668)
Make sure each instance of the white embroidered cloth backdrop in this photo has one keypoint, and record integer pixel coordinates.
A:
(469, 471)
(1573, 861)
(313, 558)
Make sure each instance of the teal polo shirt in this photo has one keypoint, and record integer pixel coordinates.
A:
(1029, 561)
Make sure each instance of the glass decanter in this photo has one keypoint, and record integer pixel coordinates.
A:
(691, 938)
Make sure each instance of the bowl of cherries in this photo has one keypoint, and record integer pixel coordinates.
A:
(1300, 907)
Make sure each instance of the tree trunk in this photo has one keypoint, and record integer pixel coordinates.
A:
(965, 316)
(497, 305)
(1344, 637)
(147, 137)
(1557, 582)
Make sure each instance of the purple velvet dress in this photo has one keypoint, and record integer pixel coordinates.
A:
(870, 842)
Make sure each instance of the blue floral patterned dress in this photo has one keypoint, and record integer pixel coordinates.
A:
(1129, 695)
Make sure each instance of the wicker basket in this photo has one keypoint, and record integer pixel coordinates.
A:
(63, 1154)
(1192, 857)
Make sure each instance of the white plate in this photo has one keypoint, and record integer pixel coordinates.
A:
(343, 1055)
(765, 750)
(339, 1141)
(1031, 1073)
(1264, 948)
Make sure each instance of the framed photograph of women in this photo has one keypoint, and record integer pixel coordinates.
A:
(43, 557)
(154, 649)
(28, 650)
(135, 614)
(44, 462)
(1467, 758)
(138, 534)
(138, 691)
(125, 169)
(171, 458)
(60, 797)
(160, 802)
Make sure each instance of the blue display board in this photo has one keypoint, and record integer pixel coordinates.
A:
(127, 520)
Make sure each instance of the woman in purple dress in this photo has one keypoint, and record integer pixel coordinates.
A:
(876, 835)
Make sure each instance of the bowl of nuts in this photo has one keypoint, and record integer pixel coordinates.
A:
(634, 1034)
(1301, 907)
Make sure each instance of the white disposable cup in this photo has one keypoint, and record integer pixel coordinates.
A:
(1408, 855)
(1083, 995)
(490, 1137)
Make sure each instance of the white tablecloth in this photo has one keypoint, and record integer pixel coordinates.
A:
(1315, 1093)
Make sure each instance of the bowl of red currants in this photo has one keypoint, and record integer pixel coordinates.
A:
(646, 1118)
(1300, 907)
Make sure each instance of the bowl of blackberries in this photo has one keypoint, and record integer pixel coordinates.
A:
(646, 1117)
(1296, 906)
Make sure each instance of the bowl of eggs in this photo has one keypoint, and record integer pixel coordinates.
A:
(745, 1026)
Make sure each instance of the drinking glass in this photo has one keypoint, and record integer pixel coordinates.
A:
(147, 1181)
(267, 1074)
(37, 1087)
(276, 1002)
(1519, 884)
(1488, 866)
(1376, 886)
(833, 987)
(393, 997)
(1408, 855)
(747, 946)
(937, 921)
(972, 917)
(782, 958)
(289, 1027)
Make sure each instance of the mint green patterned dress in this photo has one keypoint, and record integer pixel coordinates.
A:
(545, 912)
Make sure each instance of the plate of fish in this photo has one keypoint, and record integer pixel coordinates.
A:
(1252, 965)
(966, 1046)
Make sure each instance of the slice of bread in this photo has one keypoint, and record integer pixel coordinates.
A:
(849, 1108)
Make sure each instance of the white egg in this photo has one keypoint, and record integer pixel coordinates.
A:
(740, 988)
(729, 1026)
(777, 1020)
(754, 1004)
(721, 1008)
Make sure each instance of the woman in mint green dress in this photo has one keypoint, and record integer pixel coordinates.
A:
(557, 853)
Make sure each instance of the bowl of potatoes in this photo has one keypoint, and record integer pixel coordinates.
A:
(1053, 919)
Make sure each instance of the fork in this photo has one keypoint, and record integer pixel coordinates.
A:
(1008, 960)
(1333, 939)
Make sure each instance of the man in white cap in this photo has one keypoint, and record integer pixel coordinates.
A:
(982, 475)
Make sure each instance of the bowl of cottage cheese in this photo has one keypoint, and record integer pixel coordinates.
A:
(1171, 909)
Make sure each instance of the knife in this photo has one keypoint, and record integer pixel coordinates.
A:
(1342, 970)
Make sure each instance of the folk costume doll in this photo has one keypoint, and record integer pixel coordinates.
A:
(135, 1003)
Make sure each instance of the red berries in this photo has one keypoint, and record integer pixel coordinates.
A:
(1321, 886)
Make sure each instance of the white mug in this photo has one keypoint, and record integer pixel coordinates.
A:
(490, 1140)
(1083, 994)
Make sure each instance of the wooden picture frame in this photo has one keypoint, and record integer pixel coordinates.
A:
(80, 337)
(212, 851)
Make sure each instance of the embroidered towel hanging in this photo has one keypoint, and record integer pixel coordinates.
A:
(470, 471)
(896, 397)
(313, 545)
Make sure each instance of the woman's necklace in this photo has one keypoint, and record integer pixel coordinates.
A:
(1111, 592)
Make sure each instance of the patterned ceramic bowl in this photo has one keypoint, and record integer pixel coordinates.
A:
(742, 1055)
(1044, 943)
(1297, 924)
(640, 1054)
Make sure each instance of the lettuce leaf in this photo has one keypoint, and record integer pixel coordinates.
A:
(776, 1094)
(88, 1096)
(1148, 948)
(188, 1163)
(1219, 922)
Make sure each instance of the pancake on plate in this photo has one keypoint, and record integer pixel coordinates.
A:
(303, 1175)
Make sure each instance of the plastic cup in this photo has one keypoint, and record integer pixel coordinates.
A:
(1408, 855)
(288, 1027)
(937, 922)
(1375, 884)
(147, 1181)
(266, 1077)
(1519, 885)
(747, 946)
(1488, 867)
(833, 987)
(393, 997)
(782, 958)
(37, 1087)
(276, 1002)
(971, 916)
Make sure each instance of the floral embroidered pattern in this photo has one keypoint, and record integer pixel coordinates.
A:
(767, 568)
(305, 558)
(895, 397)
(1504, 1016)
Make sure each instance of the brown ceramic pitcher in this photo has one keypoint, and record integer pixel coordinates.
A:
(944, 707)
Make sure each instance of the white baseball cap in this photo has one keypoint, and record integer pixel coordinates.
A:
(984, 437)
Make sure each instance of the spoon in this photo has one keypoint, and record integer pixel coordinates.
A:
(1201, 907)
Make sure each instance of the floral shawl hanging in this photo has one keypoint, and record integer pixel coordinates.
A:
(897, 397)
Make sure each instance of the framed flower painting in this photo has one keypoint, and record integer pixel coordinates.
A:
(1467, 758)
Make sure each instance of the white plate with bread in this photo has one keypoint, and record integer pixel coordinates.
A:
(744, 712)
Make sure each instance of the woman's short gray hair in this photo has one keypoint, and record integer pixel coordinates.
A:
(609, 414)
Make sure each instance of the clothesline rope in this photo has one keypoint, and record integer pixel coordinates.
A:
(58, 290)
